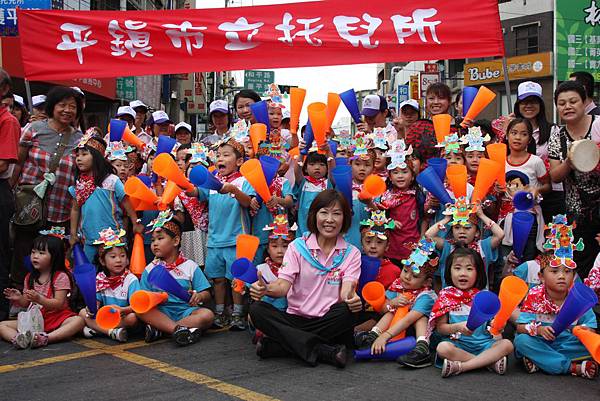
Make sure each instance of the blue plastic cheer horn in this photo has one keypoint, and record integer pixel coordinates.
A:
(165, 144)
(243, 269)
(79, 257)
(393, 350)
(85, 278)
(333, 146)
(468, 95)
(270, 165)
(341, 161)
(349, 99)
(523, 200)
(580, 299)
(309, 138)
(439, 165)
(369, 269)
(160, 278)
(430, 180)
(260, 110)
(485, 306)
(116, 129)
(521, 226)
(342, 176)
(201, 177)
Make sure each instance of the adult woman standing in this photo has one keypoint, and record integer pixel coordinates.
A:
(220, 118)
(242, 102)
(46, 159)
(582, 190)
(530, 105)
(318, 276)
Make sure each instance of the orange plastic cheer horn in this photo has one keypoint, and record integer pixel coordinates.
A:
(166, 167)
(512, 292)
(138, 257)
(441, 126)
(482, 99)
(399, 315)
(135, 188)
(258, 134)
(457, 178)
(333, 102)
(246, 246)
(497, 153)
(169, 194)
(140, 206)
(108, 317)
(590, 340)
(297, 96)
(486, 175)
(119, 131)
(253, 172)
(317, 114)
(373, 186)
(374, 293)
(143, 301)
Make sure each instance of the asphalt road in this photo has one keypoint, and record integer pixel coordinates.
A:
(224, 366)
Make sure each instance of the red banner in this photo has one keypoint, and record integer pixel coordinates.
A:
(71, 44)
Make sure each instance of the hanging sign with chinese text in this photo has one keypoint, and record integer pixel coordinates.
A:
(8, 13)
(68, 44)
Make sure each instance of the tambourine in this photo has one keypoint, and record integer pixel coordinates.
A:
(584, 155)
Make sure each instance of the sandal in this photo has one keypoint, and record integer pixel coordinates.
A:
(39, 340)
(499, 366)
(451, 368)
(530, 367)
(587, 369)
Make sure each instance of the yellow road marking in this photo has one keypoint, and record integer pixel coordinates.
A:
(48, 361)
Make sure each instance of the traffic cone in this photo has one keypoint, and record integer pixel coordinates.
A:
(469, 93)
(136, 189)
(258, 134)
(580, 299)
(169, 194)
(521, 226)
(440, 165)
(590, 340)
(487, 174)
(309, 138)
(203, 178)
(342, 177)
(317, 114)
(270, 166)
(430, 180)
(485, 306)
(333, 102)
(85, 277)
(119, 131)
(243, 269)
(441, 126)
(159, 277)
(393, 350)
(349, 99)
(497, 153)
(165, 144)
(374, 294)
(260, 110)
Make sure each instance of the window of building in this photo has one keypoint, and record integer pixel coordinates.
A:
(526, 37)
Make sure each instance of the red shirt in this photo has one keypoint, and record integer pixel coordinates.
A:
(10, 132)
(400, 239)
(388, 273)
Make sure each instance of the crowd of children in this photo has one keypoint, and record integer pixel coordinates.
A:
(434, 256)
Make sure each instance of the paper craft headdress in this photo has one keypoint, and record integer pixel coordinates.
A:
(117, 151)
(378, 224)
(91, 140)
(164, 221)
(344, 139)
(276, 97)
(451, 144)
(561, 241)
(379, 137)
(199, 153)
(360, 144)
(474, 140)
(274, 146)
(58, 232)
(109, 238)
(419, 258)
(461, 212)
(240, 131)
(397, 154)
(280, 228)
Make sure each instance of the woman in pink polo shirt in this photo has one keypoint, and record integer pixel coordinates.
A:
(318, 276)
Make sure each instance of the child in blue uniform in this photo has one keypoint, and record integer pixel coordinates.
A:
(311, 179)
(184, 321)
(114, 285)
(537, 344)
(227, 218)
(462, 349)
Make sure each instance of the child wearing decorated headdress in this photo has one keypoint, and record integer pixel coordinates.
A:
(380, 147)
(184, 321)
(191, 212)
(474, 150)
(100, 200)
(227, 218)
(275, 109)
(464, 219)
(412, 289)
(536, 343)
(116, 153)
(114, 285)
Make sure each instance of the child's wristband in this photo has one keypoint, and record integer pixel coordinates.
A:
(532, 328)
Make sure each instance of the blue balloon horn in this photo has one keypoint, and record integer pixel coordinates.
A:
(160, 278)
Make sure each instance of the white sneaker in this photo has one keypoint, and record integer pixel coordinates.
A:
(119, 334)
(89, 333)
(23, 340)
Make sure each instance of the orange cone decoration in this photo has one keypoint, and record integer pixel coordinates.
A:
(374, 293)
(169, 194)
(590, 340)
(258, 134)
(144, 301)
(253, 172)
(497, 153)
(166, 167)
(482, 99)
(140, 206)
(135, 188)
(441, 125)
(399, 315)
(373, 186)
(294, 152)
(246, 246)
(138, 257)
(108, 317)
(486, 176)
(457, 178)
(333, 102)
(512, 292)
(297, 96)
(317, 114)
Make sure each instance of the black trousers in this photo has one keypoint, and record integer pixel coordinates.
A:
(7, 209)
(299, 335)
(587, 229)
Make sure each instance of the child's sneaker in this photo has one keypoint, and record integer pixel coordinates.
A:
(419, 357)
(220, 321)
(88, 332)
(22, 340)
(39, 340)
(238, 323)
(152, 334)
(186, 336)
(364, 339)
(118, 334)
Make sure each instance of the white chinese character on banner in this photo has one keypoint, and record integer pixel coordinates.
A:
(12, 15)
(233, 29)
(2, 16)
(342, 25)
(138, 42)
(593, 14)
(187, 32)
(405, 28)
(76, 41)
(287, 28)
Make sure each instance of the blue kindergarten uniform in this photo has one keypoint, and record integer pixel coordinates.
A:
(306, 193)
(359, 213)
(422, 304)
(100, 211)
(552, 357)
(189, 276)
(121, 295)
(226, 220)
(488, 254)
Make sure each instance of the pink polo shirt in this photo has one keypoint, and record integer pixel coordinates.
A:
(312, 294)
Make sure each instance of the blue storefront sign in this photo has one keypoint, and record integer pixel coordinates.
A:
(8, 13)
(402, 95)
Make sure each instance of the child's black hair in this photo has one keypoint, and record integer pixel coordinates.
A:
(531, 147)
(171, 233)
(101, 168)
(56, 248)
(462, 251)
(314, 157)
(186, 146)
(238, 154)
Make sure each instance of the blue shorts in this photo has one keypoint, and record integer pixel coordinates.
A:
(218, 262)
(470, 347)
(177, 312)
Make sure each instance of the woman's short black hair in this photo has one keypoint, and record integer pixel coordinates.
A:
(60, 93)
(531, 146)
(462, 251)
(570, 86)
(328, 198)
(246, 93)
(440, 89)
(313, 157)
